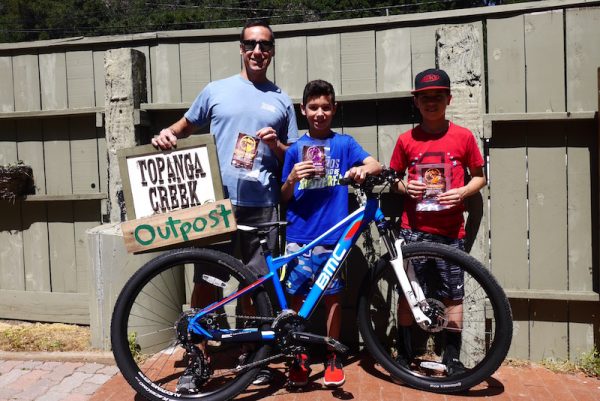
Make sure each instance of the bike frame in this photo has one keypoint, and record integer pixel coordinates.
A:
(353, 225)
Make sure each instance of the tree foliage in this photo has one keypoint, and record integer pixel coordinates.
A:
(27, 20)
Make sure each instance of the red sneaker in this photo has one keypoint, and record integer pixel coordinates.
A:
(299, 371)
(334, 375)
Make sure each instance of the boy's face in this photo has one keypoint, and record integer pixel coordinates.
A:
(432, 103)
(319, 112)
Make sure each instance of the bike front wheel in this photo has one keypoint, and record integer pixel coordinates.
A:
(484, 337)
(149, 330)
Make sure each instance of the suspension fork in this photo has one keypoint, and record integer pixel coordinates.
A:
(406, 275)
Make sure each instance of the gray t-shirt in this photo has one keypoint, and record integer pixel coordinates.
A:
(235, 106)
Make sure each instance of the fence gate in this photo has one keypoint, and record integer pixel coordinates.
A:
(543, 224)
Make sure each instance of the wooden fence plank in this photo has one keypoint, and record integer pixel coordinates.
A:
(225, 59)
(8, 142)
(508, 205)
(53, 81)
(7, 99)
(35, 245)
(291, 71)
(11, 238)
(548, 317)
(582, 144)
(394, 72)
(45, 306)
(358, 62)
(583, 318)
(30, 148)
(422, 48)
(102, 166)
(506, 65)
(324, 59)
(546, 150)
(360, 121)
(86, 215)
(61, 237)
(543, 35)
(84, 154)
(166, 76)
(583, 57)
(146, 51)
(195, 69)
(80, 79)
(99, 81)
(57, 156)
(26, 82)
(519, 347)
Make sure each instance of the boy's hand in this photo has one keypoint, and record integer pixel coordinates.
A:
(452, 197)
(357, 174)
(305, 169)
(269, 136)
(415, 189)
(166, 139)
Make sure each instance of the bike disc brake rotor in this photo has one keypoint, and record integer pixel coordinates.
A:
(435, 310)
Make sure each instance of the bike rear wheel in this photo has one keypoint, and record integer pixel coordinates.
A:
(153, 311)
(486, 332)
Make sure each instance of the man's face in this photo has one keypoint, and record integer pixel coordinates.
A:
(319, 112)
(432, 103)
(257, 60)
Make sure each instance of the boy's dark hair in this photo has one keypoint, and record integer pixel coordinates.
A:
(252, 23)
(317, 88)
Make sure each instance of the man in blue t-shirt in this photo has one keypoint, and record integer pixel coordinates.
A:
(316, 202)
(245, 111)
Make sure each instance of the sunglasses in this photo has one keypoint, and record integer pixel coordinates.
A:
(265, 45)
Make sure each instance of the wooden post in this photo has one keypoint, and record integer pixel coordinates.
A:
(125, 75)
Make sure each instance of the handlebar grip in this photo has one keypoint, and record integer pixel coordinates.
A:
(346, 181)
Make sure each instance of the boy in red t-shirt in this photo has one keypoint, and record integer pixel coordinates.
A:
(435, 155)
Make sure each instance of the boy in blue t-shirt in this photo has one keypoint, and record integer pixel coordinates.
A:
(316, 202)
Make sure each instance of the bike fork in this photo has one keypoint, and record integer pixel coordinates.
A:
(410, 286)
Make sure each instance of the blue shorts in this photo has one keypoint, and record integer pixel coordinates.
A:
(302, 271)
(438, 277)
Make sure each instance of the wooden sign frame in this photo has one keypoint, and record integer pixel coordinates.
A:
(195, 141)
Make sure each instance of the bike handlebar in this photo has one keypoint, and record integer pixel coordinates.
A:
(387, 176)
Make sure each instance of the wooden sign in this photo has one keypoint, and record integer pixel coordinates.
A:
(213, 219)
(157, 181)
(174, 196)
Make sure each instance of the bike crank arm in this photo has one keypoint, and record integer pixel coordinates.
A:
(316, 339)
(410, 286)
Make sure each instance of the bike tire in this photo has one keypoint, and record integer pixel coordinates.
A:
(144, 321)
(486, 332)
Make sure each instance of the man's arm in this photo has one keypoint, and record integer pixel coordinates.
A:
(167, 138)
(269, 136)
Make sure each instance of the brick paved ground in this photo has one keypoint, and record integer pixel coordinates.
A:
(89, 381)
(52, 380)
(365, 381)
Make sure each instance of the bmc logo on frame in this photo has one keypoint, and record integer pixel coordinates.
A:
(330, 267)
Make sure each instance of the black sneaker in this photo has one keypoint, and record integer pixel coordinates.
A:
(403, 361)
(263, 377)
(454, 367)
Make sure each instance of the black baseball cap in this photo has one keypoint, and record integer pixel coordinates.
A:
(432, 78)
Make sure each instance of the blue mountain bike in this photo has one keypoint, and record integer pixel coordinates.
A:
(156, 336)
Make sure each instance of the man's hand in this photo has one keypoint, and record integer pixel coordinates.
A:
(166, 139)
(269, 136)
